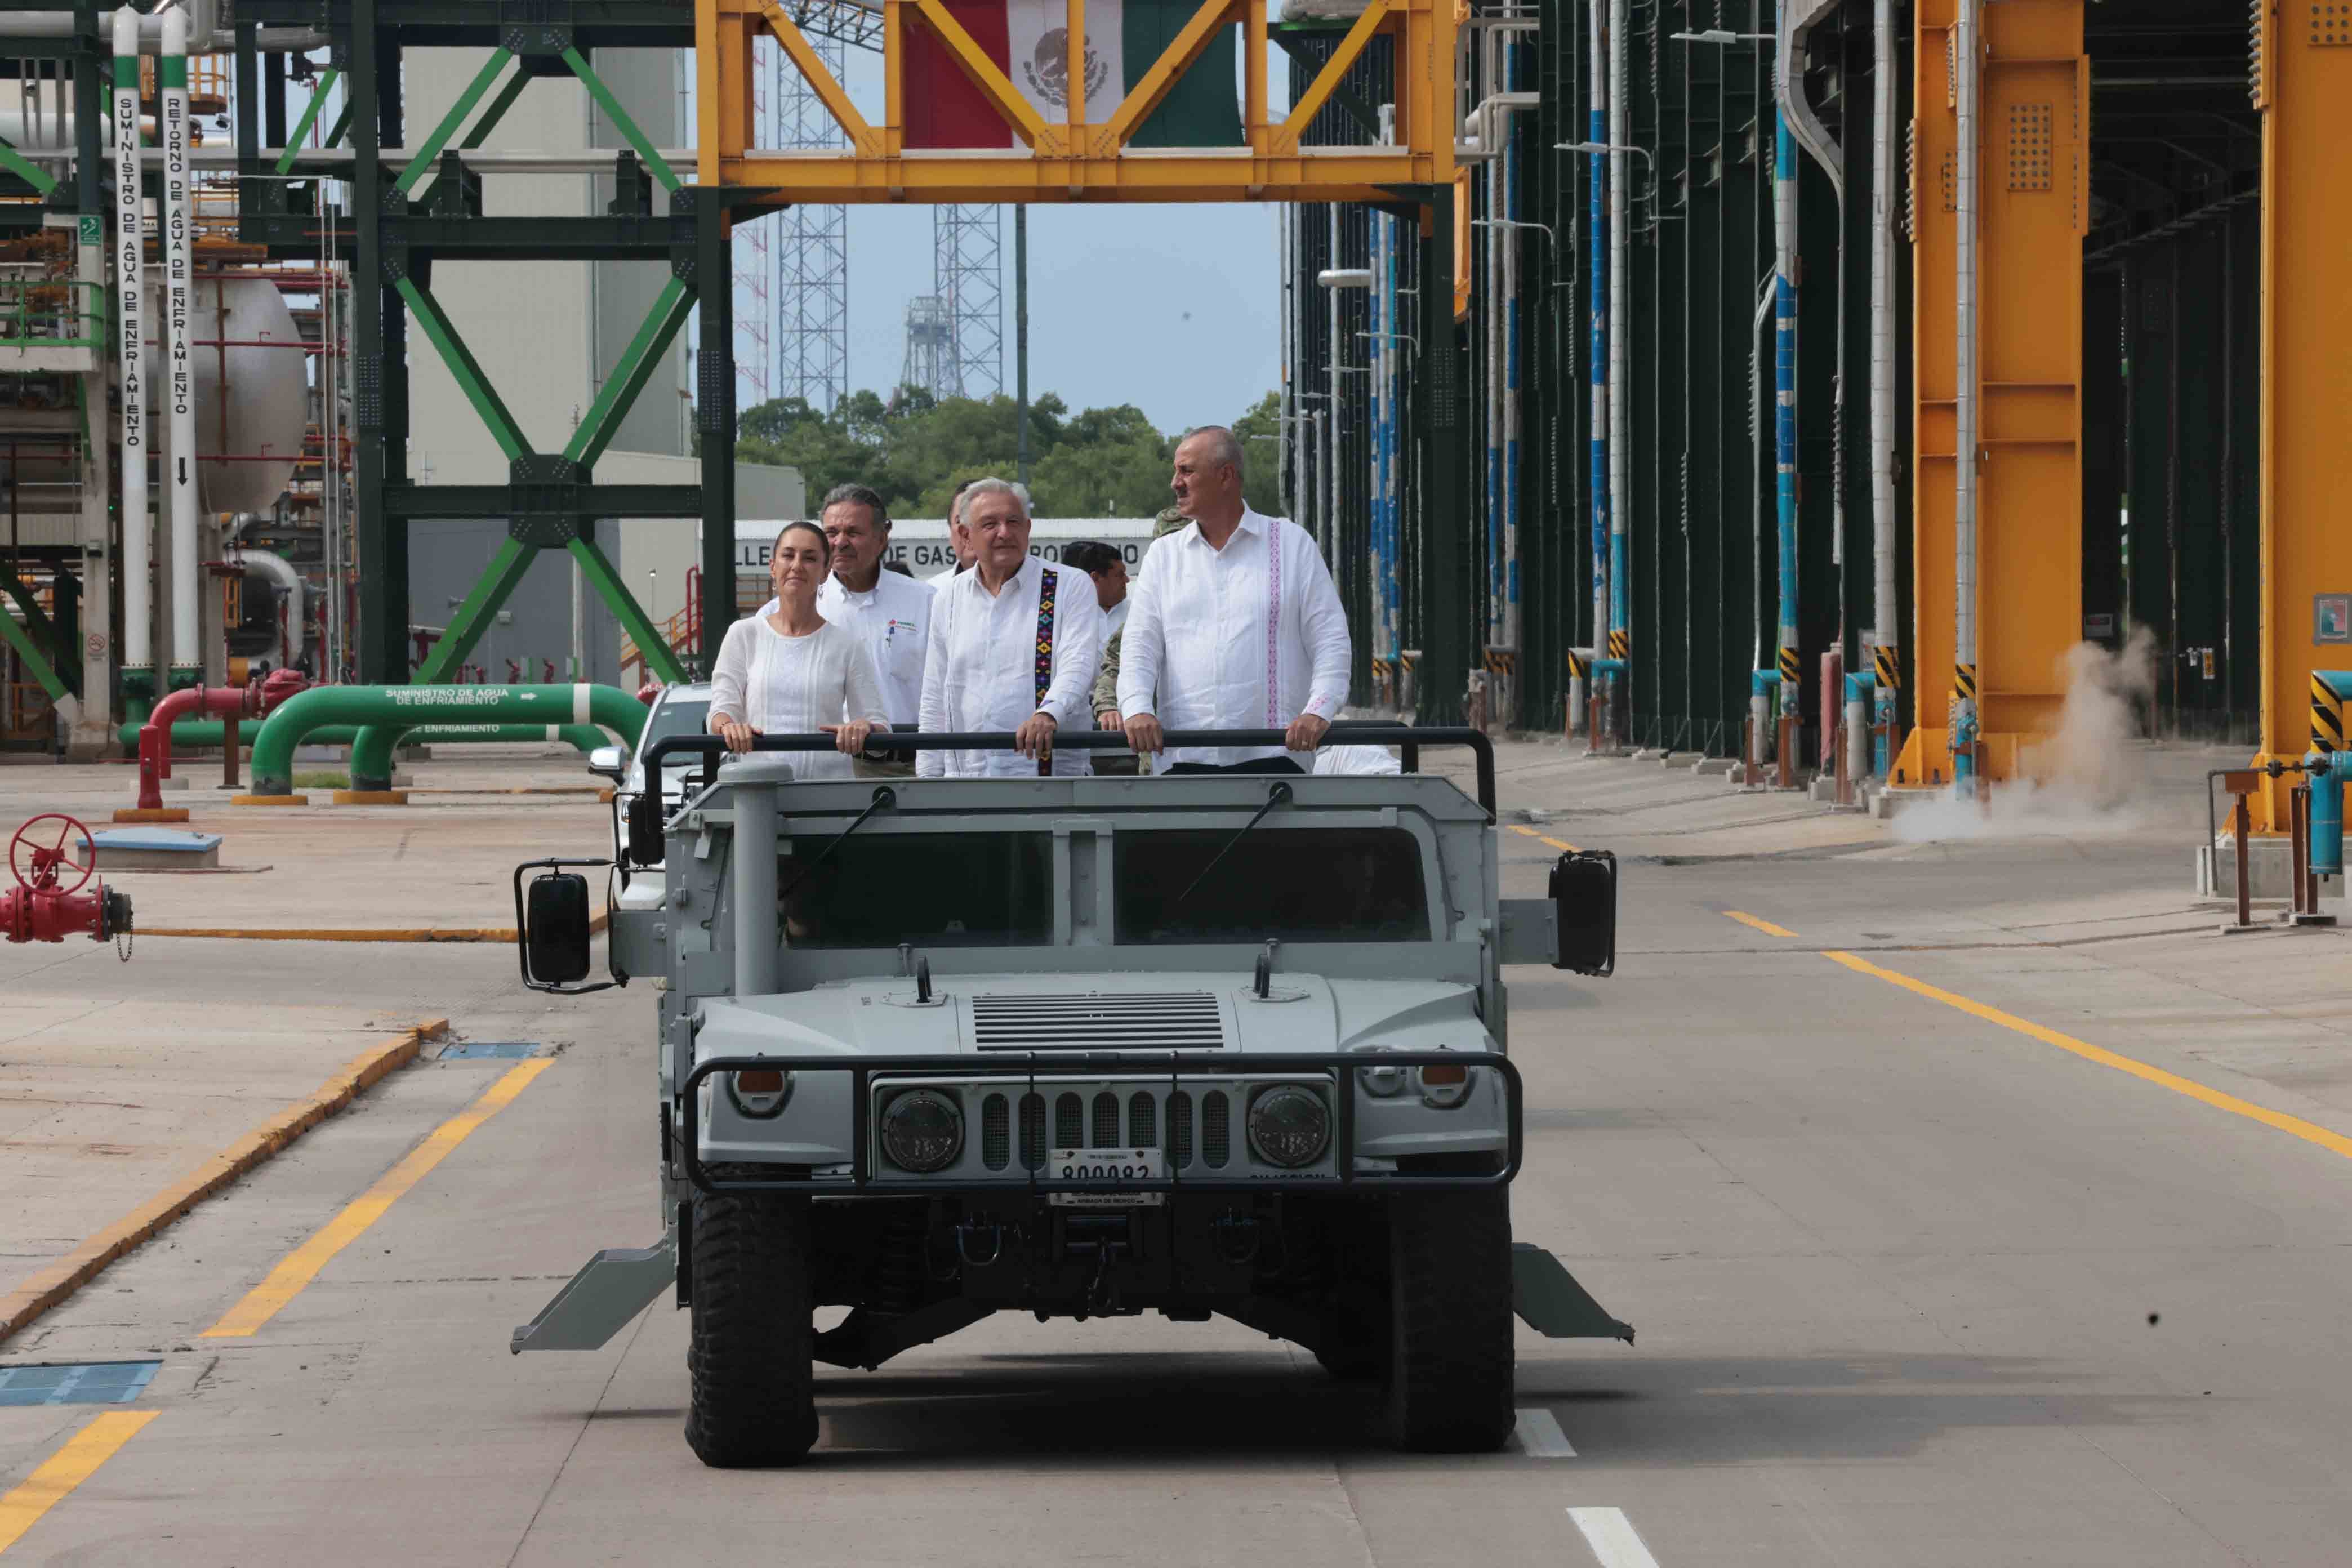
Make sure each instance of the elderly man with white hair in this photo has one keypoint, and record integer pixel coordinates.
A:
(1013, 644)
(1236, 626)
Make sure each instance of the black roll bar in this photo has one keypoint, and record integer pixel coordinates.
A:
(1409, 738)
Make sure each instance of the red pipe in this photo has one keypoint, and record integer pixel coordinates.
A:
(246, 701)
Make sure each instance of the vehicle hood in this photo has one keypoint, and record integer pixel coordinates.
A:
(985, 1016)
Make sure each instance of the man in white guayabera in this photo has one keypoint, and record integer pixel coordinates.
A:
(1236, 625)
(1014, 643)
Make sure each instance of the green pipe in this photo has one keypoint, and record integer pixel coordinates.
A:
(387, 711)
(581, 738)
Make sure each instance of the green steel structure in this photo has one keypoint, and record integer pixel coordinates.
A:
(428, 212)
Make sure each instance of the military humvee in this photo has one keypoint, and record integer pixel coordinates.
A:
(931, 1049)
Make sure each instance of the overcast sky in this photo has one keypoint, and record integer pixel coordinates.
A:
(1172, 308)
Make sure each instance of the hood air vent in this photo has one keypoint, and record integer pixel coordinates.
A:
(1159, 1021)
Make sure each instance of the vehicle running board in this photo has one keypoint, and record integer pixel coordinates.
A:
(608, 1292)
(1548, 1299)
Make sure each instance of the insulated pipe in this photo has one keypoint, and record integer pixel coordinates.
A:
(1509, 368)
(1620, 287)
(1765, 293)
(1857, 726)
(1784, 397)
(397, 708)
(1883, 606)
(131, 305)
(758, 961)
(1797, 20)
(1491, 297)
(1332, 390)
(1762, 684)
(180, 368)
(1964, 395)
(294, 637)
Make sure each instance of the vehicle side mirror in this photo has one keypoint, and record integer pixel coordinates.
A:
(647, 838)
(611, 762)
(555, 935)
(1584, 900)
(554, 930)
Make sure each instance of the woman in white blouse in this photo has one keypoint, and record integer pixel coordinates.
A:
(789, 672)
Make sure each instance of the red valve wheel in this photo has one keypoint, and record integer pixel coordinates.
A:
(45, 862)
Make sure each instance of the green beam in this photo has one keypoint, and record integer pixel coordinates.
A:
(474, 617)
(342, 124)
(34, 616)
(31, 173)
(621, 121)
(615, 593)
(39, 663)
(462, 365)
(431, 147)
(670, 308)
(327, 79)
(496, 112)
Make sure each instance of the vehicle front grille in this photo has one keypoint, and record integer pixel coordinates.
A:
(1069, 1122)
(1032, 1131)
(995, 1133)
(1216, 1146)
(1143, 1123)
(1159, 1021)
(1180, 1130)
(1106, 1129)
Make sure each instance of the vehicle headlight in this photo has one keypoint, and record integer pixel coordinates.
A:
(1382, 1083)
(1443, 1087)
(1289, 1126)
(759, 1094)
(922, 1130)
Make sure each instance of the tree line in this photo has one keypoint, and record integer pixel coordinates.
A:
(916, 449)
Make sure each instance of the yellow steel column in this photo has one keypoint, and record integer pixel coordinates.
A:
(2302, 86)
(2032, 204)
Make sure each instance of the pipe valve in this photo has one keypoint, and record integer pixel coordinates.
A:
(45, 905)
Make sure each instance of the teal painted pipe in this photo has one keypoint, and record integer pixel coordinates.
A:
(385, 712)
(2328, 775)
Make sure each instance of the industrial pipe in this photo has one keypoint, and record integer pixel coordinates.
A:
(373, 746)
(294, 633)
(397, 708)
(1784, 396)
(131, 294)
(1596, 301)
(179, 367)
(1858, 757)
(249, 701)
(1619, 290)
(189, 733)
(2328, 773)
(1883, 608)
(1964, 411)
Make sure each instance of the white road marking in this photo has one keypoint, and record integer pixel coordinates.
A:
(1611, 1535)
(1538, 1434)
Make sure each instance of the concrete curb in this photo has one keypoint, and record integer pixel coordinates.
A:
(54, 1285)
(362, 933)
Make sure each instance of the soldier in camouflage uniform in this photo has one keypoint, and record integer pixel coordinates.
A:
(1106, 679)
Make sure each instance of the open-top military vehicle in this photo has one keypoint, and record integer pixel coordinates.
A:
(929, 1049)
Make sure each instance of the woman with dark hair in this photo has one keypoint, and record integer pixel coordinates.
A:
(789, 672)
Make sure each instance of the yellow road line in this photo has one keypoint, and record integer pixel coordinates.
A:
(300, 1266)
(1555, 842)
(2309, 1131)
(1767, 927)
(53, 1284)
(66, 1469)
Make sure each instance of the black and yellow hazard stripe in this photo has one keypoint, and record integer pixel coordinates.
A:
(1619, 642)
(1888, 663)
(1579, 667)
(1964, 682)
(2327, 717)
(1500, 660)
(1790, 669)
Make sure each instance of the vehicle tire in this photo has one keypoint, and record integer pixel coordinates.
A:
(1450, 1359)
(749, 1358)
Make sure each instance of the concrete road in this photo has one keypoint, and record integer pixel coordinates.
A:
(2037, 1257)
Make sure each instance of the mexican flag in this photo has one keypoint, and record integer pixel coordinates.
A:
(1028, 40)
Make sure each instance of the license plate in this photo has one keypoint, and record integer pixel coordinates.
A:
(1106, 1165)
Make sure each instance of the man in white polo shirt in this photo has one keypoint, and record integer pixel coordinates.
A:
(1236, 625)
(890, 613)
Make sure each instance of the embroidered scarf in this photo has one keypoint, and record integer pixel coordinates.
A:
(1046, 656)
